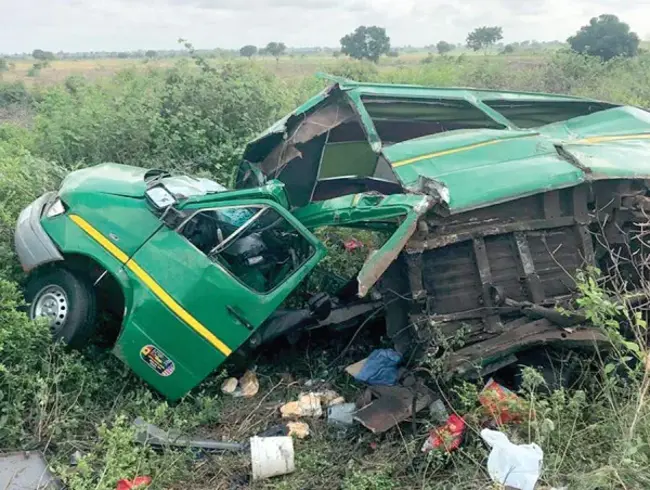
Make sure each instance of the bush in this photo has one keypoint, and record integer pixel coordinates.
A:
(180, 118)
(14, 93)
(361, 71)
(23, 178)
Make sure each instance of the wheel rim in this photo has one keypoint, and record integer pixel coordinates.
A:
(51, 303)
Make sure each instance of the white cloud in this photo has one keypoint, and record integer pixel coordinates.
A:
(78, 25)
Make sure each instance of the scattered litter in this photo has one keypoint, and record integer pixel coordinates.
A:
(380, 368)
(448, 437)
(272, 456)
(501, 404)
(352, 244)
(393, 405)
(308, 405)
(438, 411)
(75, 458)
(298, 429)
(313, 382)
(342, 414)
(311, 404)
(137, 482)
(511, 465)
(26, 470)
(229, 386)
(339, 400)
(152, 435)
(247, 386)
(329, 397)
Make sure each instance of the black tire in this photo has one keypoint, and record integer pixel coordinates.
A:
(74, 309)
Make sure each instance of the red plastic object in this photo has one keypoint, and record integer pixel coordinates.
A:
(137, 482)
(352, 244)
(447, 437)
(501, 403)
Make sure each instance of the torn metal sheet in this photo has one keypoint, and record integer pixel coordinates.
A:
(394, 404)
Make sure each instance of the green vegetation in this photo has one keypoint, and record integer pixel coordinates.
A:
(366, 43)
(607, 37)
(248, 51)
(482, 38)
(275, 49)
(443, 47)
(196, 116)
(40, 55)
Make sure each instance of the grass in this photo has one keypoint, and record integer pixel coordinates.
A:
(289, 67)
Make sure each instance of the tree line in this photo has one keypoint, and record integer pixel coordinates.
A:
(605, 36)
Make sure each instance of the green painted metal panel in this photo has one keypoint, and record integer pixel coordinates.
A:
(479, 170)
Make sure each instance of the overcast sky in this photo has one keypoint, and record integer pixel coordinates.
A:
(115, 25)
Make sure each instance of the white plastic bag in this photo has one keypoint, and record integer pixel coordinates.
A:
(512, 465)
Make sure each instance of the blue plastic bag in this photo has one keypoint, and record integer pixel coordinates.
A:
(381, 368)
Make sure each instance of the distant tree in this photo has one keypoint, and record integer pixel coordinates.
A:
(151, 53)
(393, 53)
(336, 54)
(508, 49)
(122, 55)
(275, 49)
(248, 51)
(4, 66)
(443, 47)
(40, 55)
(607, 37)
(366, 43)
(484, 37)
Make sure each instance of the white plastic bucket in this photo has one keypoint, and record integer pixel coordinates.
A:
(272, 456)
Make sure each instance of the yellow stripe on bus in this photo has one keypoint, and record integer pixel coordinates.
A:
(149, 282)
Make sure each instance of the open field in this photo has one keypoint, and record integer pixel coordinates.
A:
(296, 66)
(171, 114)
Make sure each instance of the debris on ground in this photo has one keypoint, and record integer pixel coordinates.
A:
(247, 386)
(380, 368)
(447, 437)
(311, 404)
(75, 458)
(307, 405)
(152, 435)
(26, 470)
(272, 456)
(342, 414)
(298, 429)
(512, 465)
(438, 411)
(352, 244)
(392, 405)
(501, 404)
(137, 482)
